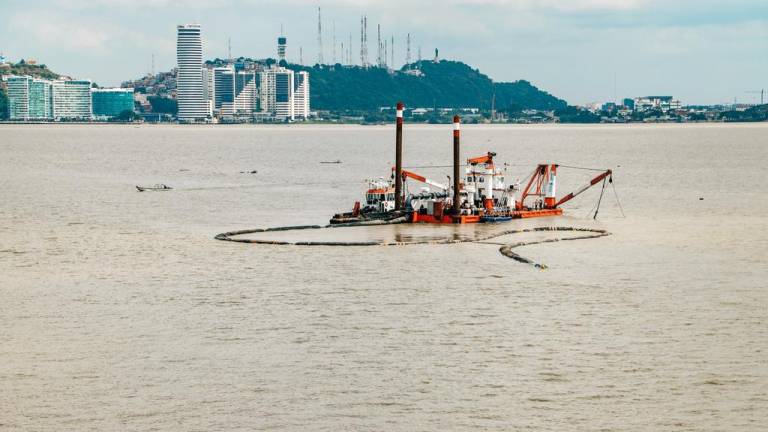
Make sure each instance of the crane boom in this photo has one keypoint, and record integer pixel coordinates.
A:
(594, 181)
(422, 179)
(486, 158)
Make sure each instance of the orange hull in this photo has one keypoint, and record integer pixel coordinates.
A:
(525, 214)
(467, 219)
(445, 219)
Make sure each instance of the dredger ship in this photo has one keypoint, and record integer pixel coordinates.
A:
(481, 194)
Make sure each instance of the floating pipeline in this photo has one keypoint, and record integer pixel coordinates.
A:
(505, 249)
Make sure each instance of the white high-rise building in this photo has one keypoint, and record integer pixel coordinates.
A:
(285, 93)
(209, 89)
(72, 99)
(301, 94)
(189, 82)
(246, 92)
(277, 92)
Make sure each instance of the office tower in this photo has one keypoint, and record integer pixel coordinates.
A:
(189, 82)
(209, 89)
(111, 102)
(277, 92)
(284, 93)
(301, 94)
(40, 99)
(72, 100)
(29, 98)
(18, 97)
(246, 92)
(224, 90)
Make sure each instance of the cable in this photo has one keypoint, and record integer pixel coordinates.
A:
(617, 199)
(599, 200)
(581, 168)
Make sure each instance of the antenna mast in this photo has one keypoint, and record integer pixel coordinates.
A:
(378, 40)
(408, 49)
(319, 37)
(392, 51)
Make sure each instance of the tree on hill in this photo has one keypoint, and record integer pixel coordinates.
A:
(572, 114)
(754, 114)
(443, 84)
(163, 105)
(36, 71)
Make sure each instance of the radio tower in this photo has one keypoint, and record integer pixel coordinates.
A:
(386, 52)
(364, 41)
(408, 49)
(392, 52)
(334, 42)
(319, 37)
(349, 50)
(378, 40)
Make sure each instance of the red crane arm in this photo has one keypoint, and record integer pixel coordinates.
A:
(414, 176)
(422, 179)
(487, 158)
(593, 182)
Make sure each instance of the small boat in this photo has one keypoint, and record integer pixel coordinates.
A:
(337, 161)
(155, 188)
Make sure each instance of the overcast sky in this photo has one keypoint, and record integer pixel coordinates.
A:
(702, 51)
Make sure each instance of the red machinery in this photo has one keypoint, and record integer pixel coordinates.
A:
(543, 184)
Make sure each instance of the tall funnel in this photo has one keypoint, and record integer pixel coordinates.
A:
(399, 158)
(456, 158)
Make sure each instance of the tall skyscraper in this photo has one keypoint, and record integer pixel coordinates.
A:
(189, 82)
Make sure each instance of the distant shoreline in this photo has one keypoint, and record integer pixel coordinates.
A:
(302, 124)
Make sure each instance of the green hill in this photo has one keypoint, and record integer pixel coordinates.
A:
(33, 70)
(444, 84)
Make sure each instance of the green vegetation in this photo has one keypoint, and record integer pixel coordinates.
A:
(33, 70)
(572, 114)
(444, 84)
(163, 105)
(127, 116)
(754, 114)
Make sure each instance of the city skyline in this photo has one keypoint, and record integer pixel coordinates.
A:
(582, 51)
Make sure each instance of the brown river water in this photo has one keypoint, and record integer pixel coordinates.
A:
(119, 311)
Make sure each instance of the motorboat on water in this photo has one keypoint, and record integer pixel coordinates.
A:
(154, 188)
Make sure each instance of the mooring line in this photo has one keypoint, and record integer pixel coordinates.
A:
(505, 249)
